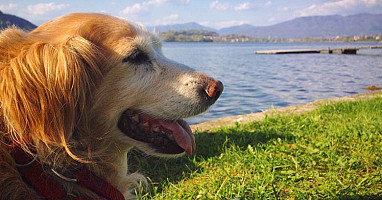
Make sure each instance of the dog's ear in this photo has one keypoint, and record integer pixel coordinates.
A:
(46, 87)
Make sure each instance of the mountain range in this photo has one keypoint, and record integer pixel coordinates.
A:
(316, 26)
(7, 20)
(179, 27)
(312, 26)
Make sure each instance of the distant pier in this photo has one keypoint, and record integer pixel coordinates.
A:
(347, 50)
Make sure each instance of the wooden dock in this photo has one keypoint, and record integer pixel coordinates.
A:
(347, 50)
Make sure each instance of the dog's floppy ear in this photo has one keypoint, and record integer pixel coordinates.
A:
(45, 87)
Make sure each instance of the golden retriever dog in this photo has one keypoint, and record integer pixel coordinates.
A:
(80, 91)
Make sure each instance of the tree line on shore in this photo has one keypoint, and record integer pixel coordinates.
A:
(211, 36)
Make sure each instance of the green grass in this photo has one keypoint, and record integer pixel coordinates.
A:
(334, 152)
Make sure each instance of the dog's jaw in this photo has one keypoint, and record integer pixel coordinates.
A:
(163, 136)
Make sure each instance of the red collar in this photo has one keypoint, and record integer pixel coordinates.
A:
(33, 173)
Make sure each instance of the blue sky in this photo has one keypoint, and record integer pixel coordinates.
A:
(212, 13)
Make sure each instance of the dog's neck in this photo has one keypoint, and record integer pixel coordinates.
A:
(57, 186)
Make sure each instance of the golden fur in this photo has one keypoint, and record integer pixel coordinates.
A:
(63, 88)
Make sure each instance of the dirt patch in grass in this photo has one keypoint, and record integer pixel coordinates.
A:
(372, 87)
(243, 119)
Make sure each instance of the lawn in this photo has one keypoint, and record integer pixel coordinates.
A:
(333, 152)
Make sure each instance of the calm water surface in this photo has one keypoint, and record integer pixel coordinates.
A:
(255, 82)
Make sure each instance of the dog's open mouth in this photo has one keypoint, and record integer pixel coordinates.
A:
(165, 136)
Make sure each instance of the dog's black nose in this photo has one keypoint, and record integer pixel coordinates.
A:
(213, 88)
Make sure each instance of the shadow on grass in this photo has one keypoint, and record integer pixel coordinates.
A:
(211, 144)
(208, 145)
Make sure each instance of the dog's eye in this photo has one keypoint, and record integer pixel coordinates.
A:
(137, 57)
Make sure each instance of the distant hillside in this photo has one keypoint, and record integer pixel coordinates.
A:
(317, 26)
(234, 29)
(311, 27)
(7, 20)
(180, 27)
(189, 36)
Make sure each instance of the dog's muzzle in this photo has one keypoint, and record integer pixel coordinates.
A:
(170, 136)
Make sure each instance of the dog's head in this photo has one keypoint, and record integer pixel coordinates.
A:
(90, 77)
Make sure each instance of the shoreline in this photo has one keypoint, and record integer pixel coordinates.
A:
(296, 109)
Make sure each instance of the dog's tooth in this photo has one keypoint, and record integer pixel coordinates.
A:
(135, 118)
(170, 136)
(156, 129)
(145, 125)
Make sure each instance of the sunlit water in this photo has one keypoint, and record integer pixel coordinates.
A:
(255, 82)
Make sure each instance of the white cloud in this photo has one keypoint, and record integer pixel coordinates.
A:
(9, 7)
(155, 2)
(44, 8)
(269, 3)
(285, 9)
(171, 19)
(230, 23)
(36, 13)
(219, 6)
(139, 7)
(205, 23)
(136, 8)
(243, 6)
(143, 12)
(342, 6)
(227, 6)
(272, 19)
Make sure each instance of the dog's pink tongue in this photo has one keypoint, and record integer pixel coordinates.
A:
(182, 134)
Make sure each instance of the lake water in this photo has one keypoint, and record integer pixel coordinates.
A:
(255, 82)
